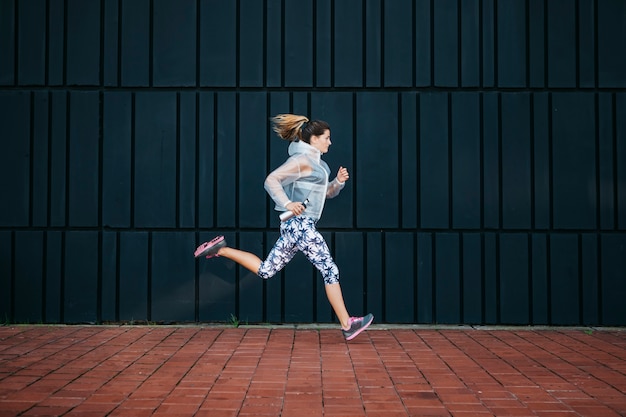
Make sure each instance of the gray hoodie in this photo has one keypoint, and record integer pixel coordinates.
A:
(303, 175)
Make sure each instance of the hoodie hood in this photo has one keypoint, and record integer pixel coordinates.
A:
(300, 147)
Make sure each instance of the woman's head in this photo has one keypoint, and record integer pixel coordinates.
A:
(294, 127)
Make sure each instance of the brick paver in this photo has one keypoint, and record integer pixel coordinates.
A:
(178, 371)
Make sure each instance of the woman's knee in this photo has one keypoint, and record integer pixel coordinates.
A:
(334, 279)
(330, 275)
(266, 272)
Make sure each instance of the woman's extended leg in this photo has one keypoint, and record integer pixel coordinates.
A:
(335, 298)
(314, 247)
(351, 326)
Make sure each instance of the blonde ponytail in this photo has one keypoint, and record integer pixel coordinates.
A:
(289, 126)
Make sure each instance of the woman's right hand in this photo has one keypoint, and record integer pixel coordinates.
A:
(295, 207)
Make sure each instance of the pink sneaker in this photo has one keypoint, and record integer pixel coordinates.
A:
(357, 325)
(210, 249)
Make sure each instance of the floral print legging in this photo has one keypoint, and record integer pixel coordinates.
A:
(300, 234)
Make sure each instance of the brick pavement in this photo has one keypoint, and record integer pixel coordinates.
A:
(216, 371)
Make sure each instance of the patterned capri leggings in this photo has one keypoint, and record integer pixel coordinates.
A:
(299, 234)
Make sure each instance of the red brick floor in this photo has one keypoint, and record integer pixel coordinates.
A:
(177, 371)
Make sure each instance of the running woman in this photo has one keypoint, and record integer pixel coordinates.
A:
(303, 177)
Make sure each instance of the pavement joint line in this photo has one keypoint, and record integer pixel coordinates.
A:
(335, 326)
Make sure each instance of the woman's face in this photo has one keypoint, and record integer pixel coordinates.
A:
(322, 142)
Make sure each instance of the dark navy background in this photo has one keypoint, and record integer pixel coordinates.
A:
(486, 143)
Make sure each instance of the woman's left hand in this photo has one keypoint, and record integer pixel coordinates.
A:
(342, 174)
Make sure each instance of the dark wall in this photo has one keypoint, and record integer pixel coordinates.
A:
(486, 142)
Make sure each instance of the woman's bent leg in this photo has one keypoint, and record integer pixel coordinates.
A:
(246, 259)
(283, 251)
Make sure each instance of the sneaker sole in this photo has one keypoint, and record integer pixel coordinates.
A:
(206, 247)
(365, 326)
